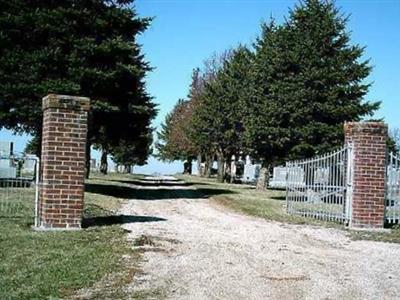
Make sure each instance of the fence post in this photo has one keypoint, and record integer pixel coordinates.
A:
(349, 181)
(63, 162)
(369, 168)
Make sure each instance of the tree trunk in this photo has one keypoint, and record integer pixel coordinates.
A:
(199, 171)
(19, 168)
(127, 169)
(205, 169)
(208, 165)
(227, 176)
(87, 162)
(221, 167)
(103, 162)
(263, 179)
(187, 167)
(233, 171)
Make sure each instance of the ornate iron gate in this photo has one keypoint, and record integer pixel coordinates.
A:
(392, 212)
(320, 187)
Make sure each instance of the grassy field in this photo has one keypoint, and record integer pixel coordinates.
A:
(43, 265)
(271, 205)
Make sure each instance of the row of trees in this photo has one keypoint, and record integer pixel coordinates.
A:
(286, 97)
(81, 47)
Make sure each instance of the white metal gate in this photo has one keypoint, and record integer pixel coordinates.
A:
(321, 187)
(392, 212)
(19, 186)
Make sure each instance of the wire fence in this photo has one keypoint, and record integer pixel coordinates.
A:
(18, 186)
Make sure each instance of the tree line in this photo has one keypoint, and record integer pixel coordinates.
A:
(81, 47)
(284, 97)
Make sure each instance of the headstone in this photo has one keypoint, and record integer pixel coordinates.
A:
(296, 176)
(251, 173)
(93, 164)
(321, 176)
(278, 178)
(7, 170)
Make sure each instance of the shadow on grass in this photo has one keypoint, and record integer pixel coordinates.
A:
(126, 192)
(280, 198)
(117, 220)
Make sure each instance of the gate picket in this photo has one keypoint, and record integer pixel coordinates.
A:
(392, 209)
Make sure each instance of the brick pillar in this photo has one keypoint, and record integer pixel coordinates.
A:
(63, 161)
(369, 142)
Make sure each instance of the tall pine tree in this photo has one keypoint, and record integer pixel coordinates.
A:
(81, 47)
(310, 80)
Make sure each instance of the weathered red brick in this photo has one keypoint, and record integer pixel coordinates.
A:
(63, 161)
(369, 141)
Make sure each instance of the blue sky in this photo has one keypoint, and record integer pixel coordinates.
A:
(185, 32)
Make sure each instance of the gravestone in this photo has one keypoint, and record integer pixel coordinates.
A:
(278, 178)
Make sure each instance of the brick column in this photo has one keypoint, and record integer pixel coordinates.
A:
(369, 165)
(63, 161)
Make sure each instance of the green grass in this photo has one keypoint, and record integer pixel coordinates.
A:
(42, 265)
(390, 236)
(271, 205)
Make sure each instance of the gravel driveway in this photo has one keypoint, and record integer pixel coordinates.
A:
(204, 251)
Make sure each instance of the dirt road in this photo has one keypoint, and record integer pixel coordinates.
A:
(204, 251)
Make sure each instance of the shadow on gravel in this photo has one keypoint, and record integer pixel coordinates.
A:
(143, 182)
(117, 220)
(126, 192)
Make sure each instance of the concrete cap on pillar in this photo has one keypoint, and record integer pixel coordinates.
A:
(66, 102)
(365, 126)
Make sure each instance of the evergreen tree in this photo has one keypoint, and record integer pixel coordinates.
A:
(132, 153)
(85, 48)
(219, 118)
(311, 80)
(195, 93)
(173, 142)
